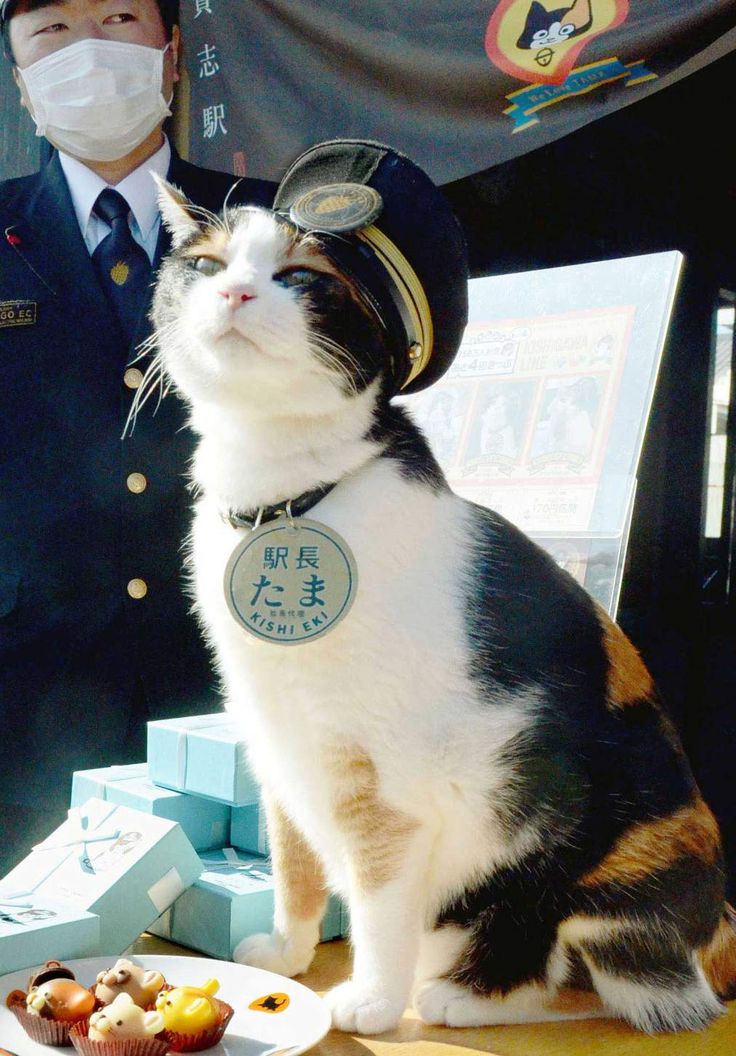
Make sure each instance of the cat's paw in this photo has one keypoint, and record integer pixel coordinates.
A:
(436, 1002)
(358, 1009)
(273, 953)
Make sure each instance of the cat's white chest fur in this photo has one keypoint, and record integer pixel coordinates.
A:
(391, 680)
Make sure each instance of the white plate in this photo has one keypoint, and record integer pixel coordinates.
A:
(250, 1033)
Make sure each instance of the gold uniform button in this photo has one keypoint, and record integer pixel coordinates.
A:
(133, 377)
(136, 483)
(137, 588)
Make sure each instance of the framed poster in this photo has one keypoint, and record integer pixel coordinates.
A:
(542, 414)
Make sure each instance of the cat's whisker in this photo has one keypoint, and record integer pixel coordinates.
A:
(335, 357)
(154, 386)
(162, 391)
(148, 380)
(153, 340)
(212, 219)
(143, 349)
(225, 218)
(152, 379)
(332, 346)
(331, 363)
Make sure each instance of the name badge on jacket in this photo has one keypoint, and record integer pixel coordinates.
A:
(18, 313)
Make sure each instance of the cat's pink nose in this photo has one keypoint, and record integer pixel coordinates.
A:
(237, 295)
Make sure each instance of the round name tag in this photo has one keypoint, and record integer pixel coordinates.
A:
(290, 581)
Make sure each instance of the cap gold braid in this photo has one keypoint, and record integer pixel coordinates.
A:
(411, 291)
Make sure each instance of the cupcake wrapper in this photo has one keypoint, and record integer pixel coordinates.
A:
(44, 1031)
(204, 1039)
(123, 1047)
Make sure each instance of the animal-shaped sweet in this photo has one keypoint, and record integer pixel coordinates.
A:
(64, 1000)
(189, 1009)
(128, 978)
(124, 1019)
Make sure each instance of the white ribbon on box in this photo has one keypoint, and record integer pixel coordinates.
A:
(182, 741)
(98, 786)
(229, 872)
(10, 902)
(77, 838)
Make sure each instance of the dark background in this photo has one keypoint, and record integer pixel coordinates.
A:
(656, 175)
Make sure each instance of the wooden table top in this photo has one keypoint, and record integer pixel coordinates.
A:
(594, 1037)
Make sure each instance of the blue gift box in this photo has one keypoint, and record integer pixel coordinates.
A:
(125, 866)
(248, 829)
(88, 783)
(204, 755)
(232, 899)
(205, 823)
(33, 927)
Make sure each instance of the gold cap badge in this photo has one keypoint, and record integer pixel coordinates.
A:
(337, 207)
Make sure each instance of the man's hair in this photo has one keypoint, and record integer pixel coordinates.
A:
(169, 14)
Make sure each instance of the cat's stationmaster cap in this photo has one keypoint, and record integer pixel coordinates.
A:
(383, 218)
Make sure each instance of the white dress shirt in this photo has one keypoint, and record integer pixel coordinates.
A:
(138, 189)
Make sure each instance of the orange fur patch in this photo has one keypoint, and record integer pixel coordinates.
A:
(306, 253)
(718, 958)
(571, 1002)
(628, 679)
(377, 832)
(651, 846)
(214, 243)
(296, 867)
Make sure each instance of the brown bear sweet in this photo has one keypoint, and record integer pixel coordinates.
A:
(49, 1010)
(127, 978)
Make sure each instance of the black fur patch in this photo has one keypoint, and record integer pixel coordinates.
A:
(406, 445)
(513, 921)
(642, 958)
(583, 774)
(692, 890)
(528, 622)
(338, 313)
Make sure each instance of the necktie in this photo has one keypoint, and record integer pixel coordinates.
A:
(122, 265)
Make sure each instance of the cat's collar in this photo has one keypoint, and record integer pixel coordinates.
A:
(289, 508)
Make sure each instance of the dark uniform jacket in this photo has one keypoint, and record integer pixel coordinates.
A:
(83, 664)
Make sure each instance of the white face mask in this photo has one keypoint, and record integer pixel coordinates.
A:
(97, 99)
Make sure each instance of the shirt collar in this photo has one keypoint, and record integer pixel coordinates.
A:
(137, 188)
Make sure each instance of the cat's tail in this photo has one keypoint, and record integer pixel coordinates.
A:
(718, 958)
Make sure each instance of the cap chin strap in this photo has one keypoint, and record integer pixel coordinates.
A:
(411, 302)
(399, 280)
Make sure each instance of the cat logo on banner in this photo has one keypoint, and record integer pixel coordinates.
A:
(540, 42)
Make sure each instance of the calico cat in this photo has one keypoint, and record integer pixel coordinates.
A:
(544, 28)
(475, 758)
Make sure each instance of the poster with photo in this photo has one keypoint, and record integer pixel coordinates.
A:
(542, 415)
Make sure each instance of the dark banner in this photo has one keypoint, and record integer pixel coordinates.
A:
(458, 85)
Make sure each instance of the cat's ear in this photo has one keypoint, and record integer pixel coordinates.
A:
(177, 212)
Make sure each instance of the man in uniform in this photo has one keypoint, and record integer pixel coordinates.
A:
(95, 633)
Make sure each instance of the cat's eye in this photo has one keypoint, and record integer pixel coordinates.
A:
(208, 265)
(296, 277)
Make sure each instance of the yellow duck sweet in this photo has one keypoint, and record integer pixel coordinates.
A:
(189, 1009)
